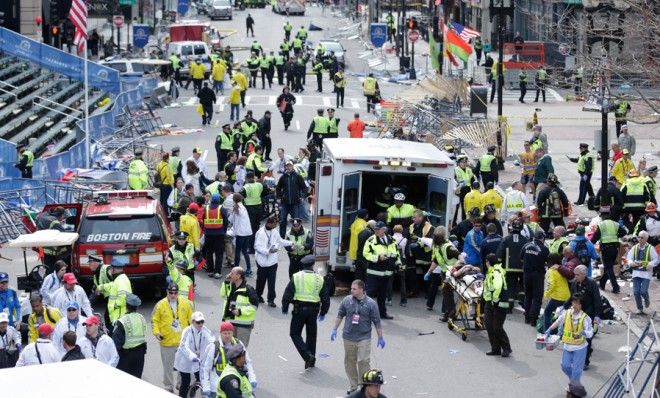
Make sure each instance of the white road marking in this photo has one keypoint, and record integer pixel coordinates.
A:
(326, 101)
(297, 124)
(272, 100)
(355, 104)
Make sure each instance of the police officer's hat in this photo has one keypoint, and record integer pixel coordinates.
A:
(652, 169)
(320, 111)
(380, 225)
(226, 126)
(235, 351)
(249, 174)
(94, 258)
(117, 264)
(181, 235)
(308, 260)
(584, 145)
(138, 152)
(330, 109)
(492, 148)
(540, 235)
(133, 300)
(176, 149)
(182, 264)
(296, 222)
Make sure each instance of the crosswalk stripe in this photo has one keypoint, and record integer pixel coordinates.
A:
(326, 101)
(301, 100)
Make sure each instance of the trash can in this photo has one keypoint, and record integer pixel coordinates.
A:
(478, 100)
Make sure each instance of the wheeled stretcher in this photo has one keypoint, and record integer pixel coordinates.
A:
(467, 285)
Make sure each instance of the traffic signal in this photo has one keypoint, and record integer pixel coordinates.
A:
(54, 30)
(411, 23)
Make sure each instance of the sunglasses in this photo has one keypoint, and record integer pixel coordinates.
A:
(199, 322)
(172, 292)
(71, 309)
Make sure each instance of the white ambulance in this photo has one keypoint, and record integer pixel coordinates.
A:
(354, 173)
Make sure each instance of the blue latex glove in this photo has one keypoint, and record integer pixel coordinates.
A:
(414, 245)
(321, 318)
(597, 320)
(254, 384)
(381, 342)
(333, 335)
(427, 276)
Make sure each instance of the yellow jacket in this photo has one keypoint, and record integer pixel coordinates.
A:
(188, 223)
(240, 78)
(358, 226)
(166, 175)
(621, 169)
(219, 70)
(557, 288)
(51, 316)
(473, 199)
(235, 96)
(492, 197)
(162, 318)
(197, 70)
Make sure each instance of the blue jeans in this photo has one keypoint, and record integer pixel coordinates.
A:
(286, 211)
(572, 364)
(235, 108)
(548, 311)
(640, 289)
(242, 243)
(219, 85)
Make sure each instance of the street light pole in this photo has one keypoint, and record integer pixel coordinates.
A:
(604, 141)
(502, 12)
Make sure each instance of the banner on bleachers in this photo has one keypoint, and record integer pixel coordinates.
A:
(101, 77)
(51, 168)
(8, 158)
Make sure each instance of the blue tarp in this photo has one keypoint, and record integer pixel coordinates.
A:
(101, 77)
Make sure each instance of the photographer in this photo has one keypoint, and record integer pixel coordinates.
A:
(241, 302)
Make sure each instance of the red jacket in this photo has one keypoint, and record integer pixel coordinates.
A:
(566, 269)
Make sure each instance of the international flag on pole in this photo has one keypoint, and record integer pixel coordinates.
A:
(457, 46)
(465, 32)
(78, 16)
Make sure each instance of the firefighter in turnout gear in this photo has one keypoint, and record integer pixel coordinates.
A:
(510, 251)
(303, 242)
(635, 195)
(382, 255)
(552, 204)
(311, 299)
(418, 256)
(130, 337)
(138, 172)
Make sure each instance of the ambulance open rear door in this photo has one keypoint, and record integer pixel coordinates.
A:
(351, 192)
(437, 200)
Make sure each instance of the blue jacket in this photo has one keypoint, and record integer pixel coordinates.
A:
(489, 245)
(9, 300)
(591, 250)
(472, 247)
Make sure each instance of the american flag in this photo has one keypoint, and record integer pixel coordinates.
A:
(464, 32)
(78, 15)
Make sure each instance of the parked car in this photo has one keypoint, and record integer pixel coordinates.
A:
(187, 49)
(220, 9)
(334, 45)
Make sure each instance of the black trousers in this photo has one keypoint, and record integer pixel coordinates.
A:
(26, 172)
(540, 88)
(280, 74)
(165, 191)
(286, 118)
(304, 317)
(243, 98)
(494, 318)
(585, 187)
(487, 177)
(360, 271)
(514, 286)
(290, 80)
(478, 53)
(340, 96)
(185, 383)
(264, 78)
(254, 212)
(208, 113)
(447, 294)
(319, 82)
(298, 85)
(197, 85)
(411, 276)
(523, 91)
(222, 158)
(608, 253)
(294, 264)
(533, 295)
(266, 274)
(545, 223)
(253, 78)
(214, 251)
(493, 89)
(131, 361)
(401, 276)
(377, 288)
(370, 102)
(249, 29)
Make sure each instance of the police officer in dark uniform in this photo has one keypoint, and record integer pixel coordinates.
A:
(608, 233)
(509, 251)
(129, 336)
(487, 167)
(534, 258)
(311, 298)
(303, 243)
(522, 81)
(490, 244)
(361, 262)
(417, 256)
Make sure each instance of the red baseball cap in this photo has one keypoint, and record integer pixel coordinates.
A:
(226, 327)
(45, 329)
(193, 207)
(92, 320)
(70, 278)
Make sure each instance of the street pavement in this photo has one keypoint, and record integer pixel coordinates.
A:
(422, 357)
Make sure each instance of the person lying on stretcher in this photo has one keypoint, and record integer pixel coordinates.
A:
(460, 270)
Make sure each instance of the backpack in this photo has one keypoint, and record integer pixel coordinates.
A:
(582, 252)
(554, 204)
(606, 310)
(157, 179)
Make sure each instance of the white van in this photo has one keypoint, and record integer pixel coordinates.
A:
(187, 49)
(353, 173)
(135, 66)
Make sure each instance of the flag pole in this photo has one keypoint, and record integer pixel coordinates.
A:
(86, 85)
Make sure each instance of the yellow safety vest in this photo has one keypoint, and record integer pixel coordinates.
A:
(634, 193)
(117, 291)
(333, 126)
(440, 256)
(321, 125)
(253, 192)
(175, 161)
(542, 74)
(485, 162)
(248, 312)
(514, 202)
(581, 166)
(308, 285)
(556, 245)
(494, 283)
(340, 80)
(138, 175)
(463, 176)
(396, 213)
(30, 157)
(570, 335)
(299, 240)
(178, 255)
(608, 231)
(246, 387)
(135, 330)
(369, 86)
